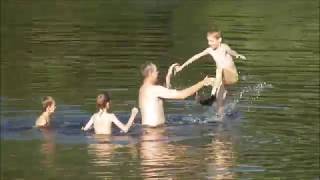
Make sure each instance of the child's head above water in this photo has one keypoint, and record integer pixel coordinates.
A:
(103, 100)
(214, 38)
(48, 104)
(214, 33)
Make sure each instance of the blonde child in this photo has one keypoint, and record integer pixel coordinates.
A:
(48, 108)
(226, 71)
(102, 120)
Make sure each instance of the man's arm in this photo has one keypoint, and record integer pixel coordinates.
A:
(182, 94)
(191, 60)
(233, 52)
(169, 74)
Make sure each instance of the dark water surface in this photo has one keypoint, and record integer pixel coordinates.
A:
(73, 50)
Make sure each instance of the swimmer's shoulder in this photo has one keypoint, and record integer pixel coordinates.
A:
(224, 46)
(41, 121)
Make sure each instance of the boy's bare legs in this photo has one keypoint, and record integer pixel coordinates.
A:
(218, 81)
(221, 95)
(230, 77)
(219, 89)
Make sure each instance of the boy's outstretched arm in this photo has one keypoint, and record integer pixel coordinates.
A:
(233, 52)
(191, 60)
(126, 127)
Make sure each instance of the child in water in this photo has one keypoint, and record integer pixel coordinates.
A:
(48, 108)
(226, 71)
(102, 120)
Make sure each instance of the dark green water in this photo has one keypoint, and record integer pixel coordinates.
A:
(73, 50)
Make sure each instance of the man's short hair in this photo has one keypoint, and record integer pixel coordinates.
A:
(147, 68)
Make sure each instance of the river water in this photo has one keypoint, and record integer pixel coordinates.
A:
(72, 50)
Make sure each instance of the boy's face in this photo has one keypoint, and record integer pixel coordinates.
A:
(213, 42)
(52, 108)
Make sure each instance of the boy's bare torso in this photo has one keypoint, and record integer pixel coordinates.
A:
(222, 58)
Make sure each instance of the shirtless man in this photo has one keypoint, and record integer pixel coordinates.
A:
(151, 95)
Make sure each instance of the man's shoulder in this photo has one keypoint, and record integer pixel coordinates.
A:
(160, 89)
(158, 86)
(152, 87)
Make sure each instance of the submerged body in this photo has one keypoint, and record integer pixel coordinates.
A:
(102, 120)
(151, 103)
(43, 120)
(48, 108)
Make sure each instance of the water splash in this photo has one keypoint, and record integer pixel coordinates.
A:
(251, 93)
(208, 114)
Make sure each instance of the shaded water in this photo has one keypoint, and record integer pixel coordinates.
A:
(73, 50)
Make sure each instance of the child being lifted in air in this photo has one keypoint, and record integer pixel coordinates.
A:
(226, 71)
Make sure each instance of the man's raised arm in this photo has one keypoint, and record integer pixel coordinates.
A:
(169, 75)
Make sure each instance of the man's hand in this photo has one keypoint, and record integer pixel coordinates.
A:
(241, 57)
(173, 67)
(169, 74)
(177, 68)
(207, 81)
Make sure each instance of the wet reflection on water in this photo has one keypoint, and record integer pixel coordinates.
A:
(101, 151)
(48, 147)
(155, 153)
(105, 152)
(221, 157)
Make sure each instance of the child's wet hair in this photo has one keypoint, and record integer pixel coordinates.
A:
(46, 102)
(147, 68)
(102, 100)
(215, 33)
